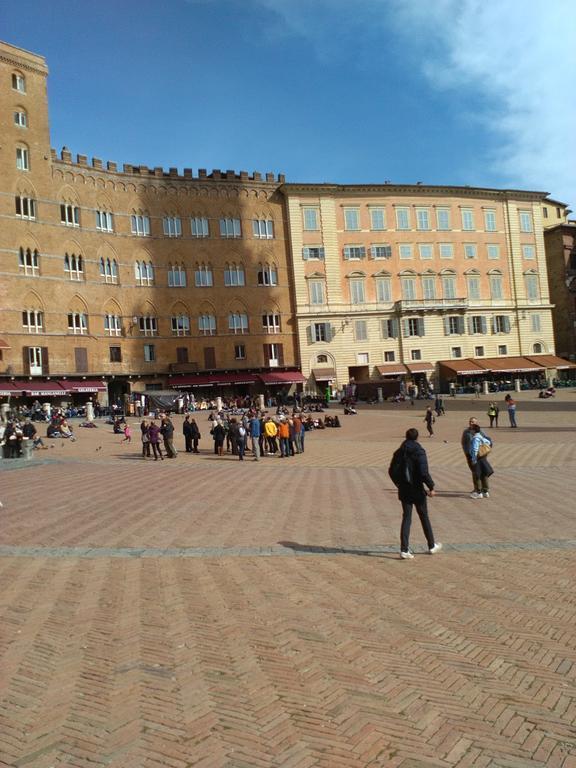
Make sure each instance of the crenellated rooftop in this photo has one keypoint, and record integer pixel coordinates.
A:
(143, 171)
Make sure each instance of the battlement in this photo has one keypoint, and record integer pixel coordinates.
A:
(143, 171)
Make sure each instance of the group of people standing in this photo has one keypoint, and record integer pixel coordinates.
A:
(283, 436)
(154, 434)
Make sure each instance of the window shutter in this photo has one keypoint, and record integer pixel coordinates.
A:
(26, 360)
(461, 328)
(320, 253)
(310, 334)
(446, 326)
(470, 325)
(405, 327)
(280, 348)
(362, 252)
(346, 253)
(44, 355)
(305, 253)
(494, 328)
(328, 331)
(506, 325)
(266, 348)
(81, 359)
(372, 252)
(394, 323)
(484, 324)
(421, 331)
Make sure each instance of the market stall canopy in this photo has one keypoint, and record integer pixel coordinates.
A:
(282, 378)
(91, 385)
(41, 388)
(511, 365)
(7, 389)
(324, 374)
(392, 369)
(464, 367)
(551, 361)
(419, 367)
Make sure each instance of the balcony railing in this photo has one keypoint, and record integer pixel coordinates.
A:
(406, 304)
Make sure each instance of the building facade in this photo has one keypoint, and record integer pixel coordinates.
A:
(424, 284)
(560, 242)
(139, 277)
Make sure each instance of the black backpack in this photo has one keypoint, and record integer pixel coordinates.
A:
(400, 469)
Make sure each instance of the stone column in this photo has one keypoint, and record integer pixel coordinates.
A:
(90, 410)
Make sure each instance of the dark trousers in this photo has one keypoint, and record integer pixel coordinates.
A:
(422, 510)
(240, 448)
(157, 451)
(188, 443)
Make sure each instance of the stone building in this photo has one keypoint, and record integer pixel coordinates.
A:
(560, 240)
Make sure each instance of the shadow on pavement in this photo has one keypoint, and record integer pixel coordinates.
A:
(315, 549)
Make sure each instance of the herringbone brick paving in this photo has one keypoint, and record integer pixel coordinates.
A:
(317, 659)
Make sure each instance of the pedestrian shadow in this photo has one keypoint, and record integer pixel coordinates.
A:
(312, 549)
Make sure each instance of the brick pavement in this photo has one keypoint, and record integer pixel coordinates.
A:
(205, 612)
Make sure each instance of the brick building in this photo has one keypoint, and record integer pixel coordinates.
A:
(560, 240)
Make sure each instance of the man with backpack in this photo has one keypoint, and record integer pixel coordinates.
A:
(409, 472)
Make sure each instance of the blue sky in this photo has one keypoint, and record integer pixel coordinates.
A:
(350, 91)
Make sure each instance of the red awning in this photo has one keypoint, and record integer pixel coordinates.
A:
(392, 369)
(510, 364)
(464, 367)
(212, 380)
(7, 388)
(551, 361)
(419, 367)
(91, 385)
(41, 388)
(282, 378)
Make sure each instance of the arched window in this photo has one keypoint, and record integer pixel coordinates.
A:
(263, 228)
(69, 215)
(109, 270)
(267, 274)
(29, 262)
(18, 82)
(140, 224)
(176, 276)
(207, 325)
(74, 265)
(238, 322)
(203, 276)
(234, 275)
(20, 117)
(22, 158)
(144, 272)
(112, 325)
(172, 226)
(537, 348)
(180, 325)
(33, 321)
(271, 322)
(77, 323)
(322, 359)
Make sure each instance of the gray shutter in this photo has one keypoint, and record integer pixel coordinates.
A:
(345, 253)
(446, 326)
(394, 327)
(470, 325)
(405, 327)
(305, 253)
(328, 331)
(372, 252)
(494, 324)
(421, 331)
(310, 334)
(363, 252)
(484, 325)
(461, 327)
(506, 325)
(321, 253)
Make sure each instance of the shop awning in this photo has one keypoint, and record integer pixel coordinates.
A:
(324, 374)
(7, 389)
(419, 367)
(391, 369)
(212, 380)
(281, 378)
(511, 365)
(41, 388)
(551, 361)
(88, 385)
(4, 344)
(464, 367)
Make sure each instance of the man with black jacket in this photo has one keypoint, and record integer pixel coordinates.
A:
(409, 472)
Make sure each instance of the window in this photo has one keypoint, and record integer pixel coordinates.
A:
(316, 290)
(22, 159)
(360, 330)
(545, 212)
(456, 351)
(267, 274)
(422, 218)
(408, 285)
(29, 262)
(478, 351)
(351, 219)
(25, 207)
(467, 219)
(74, 265)
(21, 118)
(271, 322)
(502, 349)
(354, 252)
(362, 358)
(230, 228)
(493, 251)
(148, 325)
(377, 219)
(477, 324)
(532, 284)
(525, 221)
(144, 272)
(18, 82)
(416, 354)
(176, 276)
(172, 226)
(429, 287)
(207, 325)
(109, 270)
(181, 354)
(81, 359)
(537, 348)
(115, 354)
(496, 287)
(180, 325)
(500, 324)
(263, 229)
(390, 328)
(357, 293)
(239, 352)
(443, 219)
(426, 251)
(535, 324)
(470, 251)
(322, 359)
(528, 252)
(402, 218)
(140, 224)
(381, 251)
(473, 283)
(321, 332)
(33, 321)
(312, 253)
(149, 353)
(405, 251)
(389, 356)
(490, 220)
(203, 276)
(453, 325)
(104, 221)
(413, 326)
(234, 275)
(310, 218)
(112, 325)
(446, 250)
(383, 289)
(273, 355)
(70, 215)
(238, 322)
(77, 323)
(199, 226)
(448, 286)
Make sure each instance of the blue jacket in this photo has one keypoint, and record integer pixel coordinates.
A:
(255, 427)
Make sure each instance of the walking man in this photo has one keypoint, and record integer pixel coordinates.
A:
(255, 428)
(466, 443)
(409, 473)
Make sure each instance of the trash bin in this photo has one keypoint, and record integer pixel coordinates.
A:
(27, 448)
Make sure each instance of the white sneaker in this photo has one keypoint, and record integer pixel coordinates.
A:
(436, 548)
(475, 495)
(486, 495)
(406, 555)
